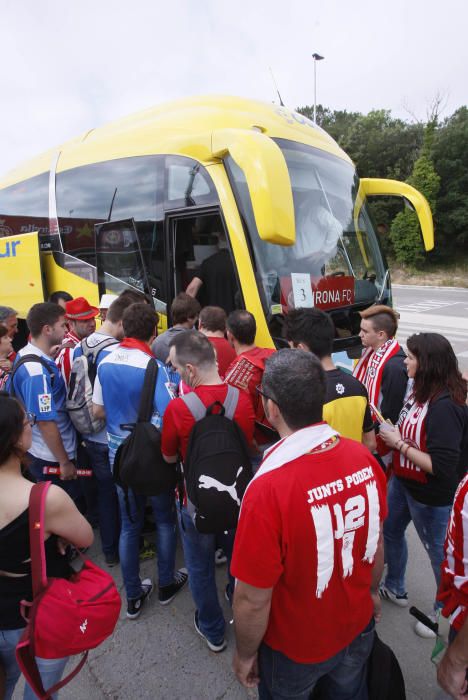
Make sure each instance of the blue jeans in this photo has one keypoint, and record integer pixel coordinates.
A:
(51, 670)
(72, 487)
(166, 538)
(430, 523)
(342, 677)
(108, 505)
(199, 554)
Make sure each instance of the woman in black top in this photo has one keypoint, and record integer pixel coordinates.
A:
(430, 456)
(63, 524)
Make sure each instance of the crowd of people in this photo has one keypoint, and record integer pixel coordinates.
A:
(332, 469)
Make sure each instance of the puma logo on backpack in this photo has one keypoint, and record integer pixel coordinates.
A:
(81, 385)
(207, 482)
(217, 466)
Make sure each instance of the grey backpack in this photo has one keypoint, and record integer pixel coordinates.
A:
(81, 385)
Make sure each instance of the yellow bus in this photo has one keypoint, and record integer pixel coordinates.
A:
(142, 202)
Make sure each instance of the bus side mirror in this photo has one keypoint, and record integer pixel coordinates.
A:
(267, 178)
(370, 187)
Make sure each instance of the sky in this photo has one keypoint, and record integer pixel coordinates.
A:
(68, 67)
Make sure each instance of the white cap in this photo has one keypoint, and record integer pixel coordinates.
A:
(106, 300)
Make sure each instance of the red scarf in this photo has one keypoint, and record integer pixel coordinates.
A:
(135, 344)
(412, 425)
(369, 369)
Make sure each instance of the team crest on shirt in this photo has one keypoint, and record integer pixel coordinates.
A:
(339, 388)
(45, 403)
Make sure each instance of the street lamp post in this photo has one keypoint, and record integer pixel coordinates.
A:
(316, 57)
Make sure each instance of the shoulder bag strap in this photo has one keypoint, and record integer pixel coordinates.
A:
(195, 405)
(36, 536)
(22, 361)
(231, 401)
(145, 410)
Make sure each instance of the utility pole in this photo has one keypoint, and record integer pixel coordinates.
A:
(316, 57)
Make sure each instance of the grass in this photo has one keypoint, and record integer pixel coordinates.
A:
(439, 275)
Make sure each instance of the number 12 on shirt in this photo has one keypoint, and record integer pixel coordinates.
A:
(340, 522)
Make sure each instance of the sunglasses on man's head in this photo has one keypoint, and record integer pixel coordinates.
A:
(260, 391)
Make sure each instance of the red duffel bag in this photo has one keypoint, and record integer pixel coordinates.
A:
(66, 616)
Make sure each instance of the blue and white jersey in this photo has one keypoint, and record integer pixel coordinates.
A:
(92, 340)
(46, 398)
(118, 388)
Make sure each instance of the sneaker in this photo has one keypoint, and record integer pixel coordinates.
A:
(226, 594)
(425, 632)
(400, 600)
(213, 646)
(220, 557)
(168, 593)
(135, 605)
(111, 559)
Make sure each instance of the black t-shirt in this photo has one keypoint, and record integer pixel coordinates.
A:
(14, 556)
(346, 406)
(447, 444)
(219, 281)
(393, 387)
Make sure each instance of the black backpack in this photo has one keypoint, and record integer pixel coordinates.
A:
(139, 464)
(217, 467)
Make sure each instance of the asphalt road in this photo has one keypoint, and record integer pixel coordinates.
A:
(160, 655)
(434, 309)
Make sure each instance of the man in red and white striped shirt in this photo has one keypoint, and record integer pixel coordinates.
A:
(453, 592)
(81, 319)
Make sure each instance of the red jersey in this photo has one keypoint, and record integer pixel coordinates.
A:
(178, 421)
(225, 354)
(309, 530)
(65, 356)
(246, 372)
(453, 591)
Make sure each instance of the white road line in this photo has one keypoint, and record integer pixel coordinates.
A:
(430, 286)
(459, 335)
(434, 320)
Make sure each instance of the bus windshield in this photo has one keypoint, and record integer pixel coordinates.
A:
(336, 260)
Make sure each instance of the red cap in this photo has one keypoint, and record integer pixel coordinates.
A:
(79, 309)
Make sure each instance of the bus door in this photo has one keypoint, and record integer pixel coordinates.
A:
(124, 260)
(193, 236)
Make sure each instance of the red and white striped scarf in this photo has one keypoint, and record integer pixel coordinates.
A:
(412, 425)
(369, 369)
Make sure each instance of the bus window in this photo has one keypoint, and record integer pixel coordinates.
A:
(333, 264)
(187, 184)
(112, 190)
(24, 208)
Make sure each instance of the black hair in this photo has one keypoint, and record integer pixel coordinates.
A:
(312, 327)
(43, 314)
(139, 321)
(242, 325)
(437, 368)
(55, 297)
(295, 381)
(192, 347)
(11, 427)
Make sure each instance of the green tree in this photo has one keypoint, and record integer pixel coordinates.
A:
(405, 232)
(451, 162)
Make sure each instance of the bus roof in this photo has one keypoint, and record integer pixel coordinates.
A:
(181, 127)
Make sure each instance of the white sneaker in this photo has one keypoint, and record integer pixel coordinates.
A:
(220, 557)
(386, 594)
(425, 632)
